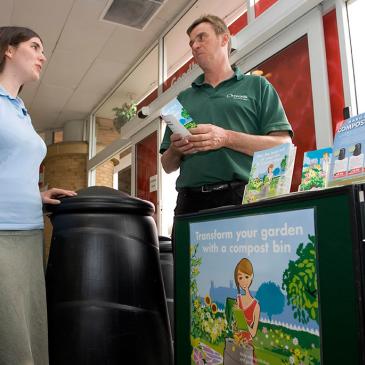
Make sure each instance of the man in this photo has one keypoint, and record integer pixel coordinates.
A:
(236, 114)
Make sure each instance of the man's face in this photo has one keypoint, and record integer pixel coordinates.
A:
(206, 46)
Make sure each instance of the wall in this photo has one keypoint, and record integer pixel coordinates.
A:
(64, 167)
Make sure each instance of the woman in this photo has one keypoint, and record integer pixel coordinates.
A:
(241, 350)
(243, 275)
(23, 317)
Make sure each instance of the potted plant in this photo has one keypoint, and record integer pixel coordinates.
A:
(124, 114)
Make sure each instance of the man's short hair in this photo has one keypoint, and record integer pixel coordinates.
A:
(217, 23)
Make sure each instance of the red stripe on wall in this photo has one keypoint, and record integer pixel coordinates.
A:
(263, 5)
(334, 70)
(148, 99)
(177, 74)
(238, 24)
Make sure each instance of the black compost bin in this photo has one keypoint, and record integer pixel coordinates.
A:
(106, 304)
(167, 267)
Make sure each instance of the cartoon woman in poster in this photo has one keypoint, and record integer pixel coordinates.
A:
(270, 173)
(267, 180)
(325, 162)
(246, 314)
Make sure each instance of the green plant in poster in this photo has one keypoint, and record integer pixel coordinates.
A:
(186, 115)
(312, 177)
(284, 163)
(300, 283)
(207, 322)
(256, 183)
(195, 263)
(279, 345)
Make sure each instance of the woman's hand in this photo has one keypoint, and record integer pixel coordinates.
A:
(49, 195)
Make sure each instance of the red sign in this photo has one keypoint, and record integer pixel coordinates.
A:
(148, 99)
(184, 69)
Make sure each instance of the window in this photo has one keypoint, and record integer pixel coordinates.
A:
(123, 172)
(356, 11)
(138, 85)
(176, 45)
(58, 136)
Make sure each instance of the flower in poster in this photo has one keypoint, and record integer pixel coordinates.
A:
(207, 300)
(313, 177)
(297, 353)
(206, 321)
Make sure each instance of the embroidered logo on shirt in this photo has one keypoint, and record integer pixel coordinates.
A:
(237, 97)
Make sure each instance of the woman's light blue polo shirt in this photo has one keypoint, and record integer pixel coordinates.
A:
(21, 152)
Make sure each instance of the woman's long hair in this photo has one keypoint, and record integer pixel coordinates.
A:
(13, 36)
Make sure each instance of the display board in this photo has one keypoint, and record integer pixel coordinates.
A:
(277, 282)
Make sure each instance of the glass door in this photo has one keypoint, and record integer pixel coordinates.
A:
(294, 62)
(356, 9)
(146, 170)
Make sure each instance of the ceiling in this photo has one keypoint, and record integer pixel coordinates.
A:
(86, 56)
(144, 78)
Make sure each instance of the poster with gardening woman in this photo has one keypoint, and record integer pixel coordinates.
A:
(253, 285)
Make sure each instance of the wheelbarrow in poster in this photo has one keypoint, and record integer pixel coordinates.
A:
(253, 285)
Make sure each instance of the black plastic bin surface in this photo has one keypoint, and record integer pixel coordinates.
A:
(106, 303)
(167, 267)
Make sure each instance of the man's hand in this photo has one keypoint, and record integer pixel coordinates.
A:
(171, 158)
(181, 146)
(49, 195)
(206, 137)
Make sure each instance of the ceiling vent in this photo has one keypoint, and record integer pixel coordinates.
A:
(131, 13)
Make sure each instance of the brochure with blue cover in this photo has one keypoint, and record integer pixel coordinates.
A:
(271, 173)
(177, 118)
(315, 170)
(347, 163)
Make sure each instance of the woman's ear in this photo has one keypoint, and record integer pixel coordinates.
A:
(9, 52)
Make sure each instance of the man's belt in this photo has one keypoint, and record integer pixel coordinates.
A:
(209, 188)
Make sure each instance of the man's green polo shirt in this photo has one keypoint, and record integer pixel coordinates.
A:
(243, 103)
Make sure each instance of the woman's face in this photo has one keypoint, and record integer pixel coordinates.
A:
(244, 280)
(27, 58)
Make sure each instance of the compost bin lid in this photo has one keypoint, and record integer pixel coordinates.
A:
(101, 198)
(165, 244)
